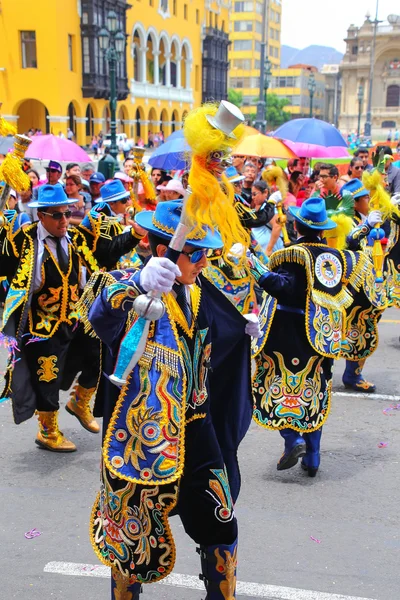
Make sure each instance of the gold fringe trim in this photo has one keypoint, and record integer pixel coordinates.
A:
(96, 284)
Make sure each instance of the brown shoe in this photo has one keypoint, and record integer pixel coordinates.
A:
(79, 407)
(49, 436)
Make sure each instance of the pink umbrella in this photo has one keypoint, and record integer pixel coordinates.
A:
(52, 147)
(315, 151)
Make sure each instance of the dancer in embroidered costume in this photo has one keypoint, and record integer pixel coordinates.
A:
(305, 316)
(164, 451)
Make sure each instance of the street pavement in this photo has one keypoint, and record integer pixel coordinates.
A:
(334, 537)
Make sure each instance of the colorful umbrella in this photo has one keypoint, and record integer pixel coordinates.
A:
(172, 155)
(310, 131)
(315, 151)
(52, 147)
(264, 147)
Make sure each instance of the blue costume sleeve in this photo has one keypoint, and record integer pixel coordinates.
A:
(277, 283)
(110, 309)
(356, 236)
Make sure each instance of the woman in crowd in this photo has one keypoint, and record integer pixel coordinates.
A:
(33, 176)
(355, 171)
(267, 236)
(73, 188)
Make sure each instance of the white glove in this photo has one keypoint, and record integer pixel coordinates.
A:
(253, 328)
(159, 275)
(374, 218)
(395, 199)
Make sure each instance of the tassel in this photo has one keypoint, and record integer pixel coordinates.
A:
(11, 171)
(5, 127)
(149, 192)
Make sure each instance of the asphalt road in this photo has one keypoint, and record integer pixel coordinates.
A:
(337, 534)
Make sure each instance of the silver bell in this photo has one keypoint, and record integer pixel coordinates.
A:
(149, 307)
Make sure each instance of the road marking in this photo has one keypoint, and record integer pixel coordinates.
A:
(389, 321)
(373, 396)
(255, 590)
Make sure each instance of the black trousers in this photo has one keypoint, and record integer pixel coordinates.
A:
(54, 363)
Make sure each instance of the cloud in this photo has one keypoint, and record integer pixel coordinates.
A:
(306, 22)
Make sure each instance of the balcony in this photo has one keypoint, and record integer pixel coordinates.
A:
(386, 111)
(160, 92)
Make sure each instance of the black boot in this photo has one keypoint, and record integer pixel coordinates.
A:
(218, 566)
(120, 585)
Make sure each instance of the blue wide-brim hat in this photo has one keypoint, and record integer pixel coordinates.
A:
(355, 187)
(51, 195)
(312, 213)
(112, 192)
(164, 220)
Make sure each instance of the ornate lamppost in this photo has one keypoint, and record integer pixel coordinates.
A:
(312, 86)
(267, 79)
(112, 43)
(360, 98)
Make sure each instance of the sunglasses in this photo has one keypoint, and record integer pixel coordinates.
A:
(57, 216)
(196, 255)
(52, 171)
(237, 156)
(357, 168)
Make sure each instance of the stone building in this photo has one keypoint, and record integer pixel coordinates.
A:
(355, 70)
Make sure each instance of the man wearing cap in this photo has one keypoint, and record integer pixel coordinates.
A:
(46, 271)
(103, 229)
(53, 172)
(174, 190)
(164, 421)
(96, 182)
(303, 332)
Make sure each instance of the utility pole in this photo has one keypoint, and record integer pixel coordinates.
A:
(368, 122)
(260, 122)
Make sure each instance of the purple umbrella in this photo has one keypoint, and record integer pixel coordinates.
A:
(311, 131)
(52, 147)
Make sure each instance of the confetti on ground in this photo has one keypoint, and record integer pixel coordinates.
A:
(383, 444)
(388, 411)
(32, 534)
(315, 539)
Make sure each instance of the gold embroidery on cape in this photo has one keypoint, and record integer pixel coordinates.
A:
(48, 370)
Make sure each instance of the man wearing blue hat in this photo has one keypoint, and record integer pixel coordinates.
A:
(104, 232)
(178, 421)
(45, 268)
(303, 331)
(96, 182)
(361, 338)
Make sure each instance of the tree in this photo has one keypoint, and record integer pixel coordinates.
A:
(235, 97)
(276, 115)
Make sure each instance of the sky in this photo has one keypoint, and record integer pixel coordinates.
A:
(307, 22)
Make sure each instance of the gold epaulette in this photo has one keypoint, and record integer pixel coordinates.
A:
(96, 284)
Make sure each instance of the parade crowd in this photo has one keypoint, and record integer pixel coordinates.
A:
(180, 305)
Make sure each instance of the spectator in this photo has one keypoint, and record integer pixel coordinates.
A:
(296, 182)
(327, 183)
(161, 197)
(354, 171)
(140, 142)
(73, 190)
(236, 179)
(72, 169)
(33, 176)
(268, 235)
(26, 165)
(94, 144)
(126, 147)
(157, 176)
(53, 172)
(363, 154)
(392, 172)
(250, 173)
(238, 161)
(128, 165)
(70, 134)
(87, 170)
(174, 190)
(126, 180)
(292, 166)
(96, 182)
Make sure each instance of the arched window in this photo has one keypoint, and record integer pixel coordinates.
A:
(393, 95)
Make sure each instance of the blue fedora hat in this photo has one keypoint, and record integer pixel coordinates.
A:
(233, 175)
(164, 220)
(312, 213)
(113, 191)
(354, 187)
(51, 195)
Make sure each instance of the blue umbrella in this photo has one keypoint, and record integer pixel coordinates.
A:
(172, 155)
(310, 131)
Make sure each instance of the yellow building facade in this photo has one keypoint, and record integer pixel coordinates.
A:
(53, 76)
(292, 85)
(246, 35)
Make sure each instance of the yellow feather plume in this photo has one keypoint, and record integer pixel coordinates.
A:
(336, 238)
(380, 199)
(6, 128)
(212, 201)
(274, 175)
